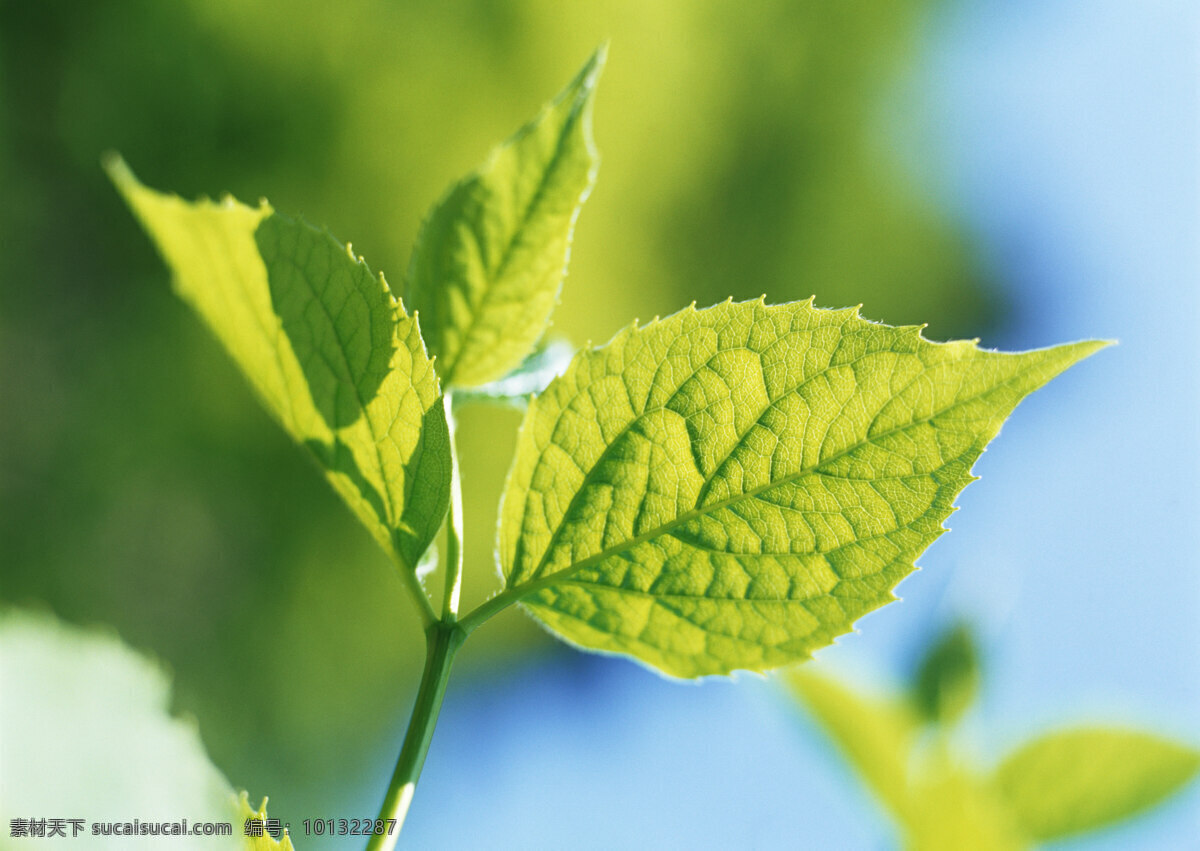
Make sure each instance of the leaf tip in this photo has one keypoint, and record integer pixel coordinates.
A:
(595, 64)
(116, 168)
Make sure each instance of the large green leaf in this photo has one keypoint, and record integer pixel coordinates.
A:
(732, 487)
(490, 259)
(1072, 781)
(331, 353)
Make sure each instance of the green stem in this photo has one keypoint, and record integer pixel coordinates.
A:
(492, 607)
(454, 526)
(442, 641)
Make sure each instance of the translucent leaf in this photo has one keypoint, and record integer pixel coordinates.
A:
(1077, 780)
(545, 363)
(948, 677)
(86, 733)
(952, 810)
(490, 259)
(733, 487)
(875, 737)
(935, 802)
(332, 354)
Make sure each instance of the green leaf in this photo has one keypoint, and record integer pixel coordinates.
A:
(733, 487)
(332, 355)
(86, 732)
(937, 803)
(952, 810)
(1077, 780)
(490, 259)
(875, 737)
(948, 677)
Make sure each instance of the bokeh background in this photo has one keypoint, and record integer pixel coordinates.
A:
(1021, 172)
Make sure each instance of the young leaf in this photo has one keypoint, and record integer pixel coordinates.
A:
(333, 356)
(490, 259)
(534, 374)
(733, 487)
(948, 677)
(1077, 780)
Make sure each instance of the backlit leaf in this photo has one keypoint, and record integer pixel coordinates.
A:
(1072, 781)
(490, 259)
(331, 353)
(86, 732)
(733, 487)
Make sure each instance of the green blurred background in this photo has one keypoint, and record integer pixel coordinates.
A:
(747, 149)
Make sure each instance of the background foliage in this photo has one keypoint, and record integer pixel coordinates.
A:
(782, 148)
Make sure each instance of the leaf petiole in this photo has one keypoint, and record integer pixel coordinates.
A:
(442, 641)
(486, 610)
(416, 591)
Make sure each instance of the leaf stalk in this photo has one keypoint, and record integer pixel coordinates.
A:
(442, 641)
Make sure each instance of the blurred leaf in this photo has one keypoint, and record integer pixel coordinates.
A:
(545, 363)
(875, 737)
(938, 805)
(87, 734)
(951, 810)
(733, 487)
(948, 677)
(332, 355)
(1072, 781)
(490, 259)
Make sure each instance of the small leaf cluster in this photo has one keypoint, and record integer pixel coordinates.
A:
(1064, 782)
(726, 488)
